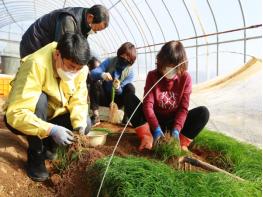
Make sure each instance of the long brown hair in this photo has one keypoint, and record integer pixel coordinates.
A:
(172, 54)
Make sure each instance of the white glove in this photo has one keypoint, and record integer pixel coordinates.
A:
(116, 84)
(61, 135)
(106, 76)
(82, 130)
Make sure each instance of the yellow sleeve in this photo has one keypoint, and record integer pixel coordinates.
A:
(78, 105)
(23, 99)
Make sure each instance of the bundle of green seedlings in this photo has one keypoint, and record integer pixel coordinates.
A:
(168, 147)
(140, 177)
(67, 155)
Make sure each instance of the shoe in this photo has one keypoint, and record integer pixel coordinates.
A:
(95, 120)
(50, 148)
(36, 169)
(184, 141)
(144, 134)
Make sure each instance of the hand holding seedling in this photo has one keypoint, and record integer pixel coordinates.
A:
(106, 76)
(82, 130)
(175, 134)
(116, 84)
(157, 134)
(61, 135)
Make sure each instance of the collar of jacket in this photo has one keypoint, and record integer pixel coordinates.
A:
(55, 74)
(85, 28)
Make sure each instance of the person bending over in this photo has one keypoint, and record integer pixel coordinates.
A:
(48, 100)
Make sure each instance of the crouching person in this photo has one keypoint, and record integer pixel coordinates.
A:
(165, 107)
(117, 73)
(48, 100)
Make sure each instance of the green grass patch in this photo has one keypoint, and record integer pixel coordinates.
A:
(245, 159)
(141, 177)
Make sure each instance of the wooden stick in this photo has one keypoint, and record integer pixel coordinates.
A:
(207, 166)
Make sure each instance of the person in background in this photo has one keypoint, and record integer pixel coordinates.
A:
(165, 108)
(92, 64)
(48, 100)
(114, 72)
(53, 25)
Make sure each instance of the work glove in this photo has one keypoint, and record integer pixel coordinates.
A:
(157, 134)
(61, 135)
(116, 84)
(82, 130)
(175, 134)
(106, 76)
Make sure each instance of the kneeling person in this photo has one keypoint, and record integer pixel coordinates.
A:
(116, 75)
(48, 100)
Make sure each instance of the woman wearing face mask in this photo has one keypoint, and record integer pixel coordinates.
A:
(166, 106)
(114, 72)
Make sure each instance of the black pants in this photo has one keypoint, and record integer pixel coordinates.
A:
(34, 142)
(99, 96)
(195, 121)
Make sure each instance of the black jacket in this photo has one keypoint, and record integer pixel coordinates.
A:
(51, 26)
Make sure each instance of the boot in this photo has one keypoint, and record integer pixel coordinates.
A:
(184, 142)
(50, 153)
(36, 168)
(144, 134)
(50, 148)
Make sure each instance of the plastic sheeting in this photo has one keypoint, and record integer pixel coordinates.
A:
(234, 102)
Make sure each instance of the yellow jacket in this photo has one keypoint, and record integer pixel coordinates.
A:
(36, 75)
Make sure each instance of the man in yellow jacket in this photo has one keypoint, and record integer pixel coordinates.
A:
(48, 100)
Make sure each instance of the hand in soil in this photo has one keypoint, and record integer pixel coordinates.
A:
(162, 139)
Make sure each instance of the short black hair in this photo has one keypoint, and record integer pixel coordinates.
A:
(75, 47)
(100, 13)
(92, 62)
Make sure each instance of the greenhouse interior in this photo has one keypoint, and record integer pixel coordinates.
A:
(130, 98)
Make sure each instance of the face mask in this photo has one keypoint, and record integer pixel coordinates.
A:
(123, 61)
(66, 76)
(171, 74)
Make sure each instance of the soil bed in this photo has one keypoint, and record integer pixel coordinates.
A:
(73, 180)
